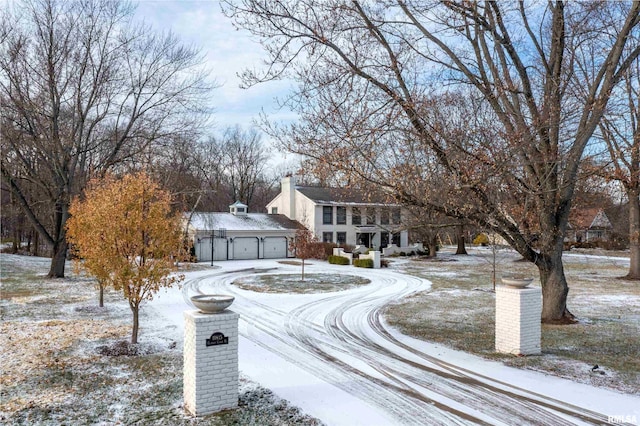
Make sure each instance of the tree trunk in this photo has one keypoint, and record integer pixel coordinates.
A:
(433, 246)
(634, 234)
(36, 243)
(134, 331)
(101, 285)
(302, 269)
(554, 290)
(16, 240)
(59, 255)
(58, 259)
(460, 239)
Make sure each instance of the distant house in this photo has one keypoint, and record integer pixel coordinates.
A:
(239, 234)
(588, 225)
(341, 215)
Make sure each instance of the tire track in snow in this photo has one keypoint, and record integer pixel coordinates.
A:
(337, 338)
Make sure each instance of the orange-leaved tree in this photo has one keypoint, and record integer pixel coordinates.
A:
(306, 246)
(124, 233)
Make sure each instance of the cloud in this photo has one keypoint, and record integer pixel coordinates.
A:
(227, 50)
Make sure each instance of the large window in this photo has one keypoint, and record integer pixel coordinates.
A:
(384, 217)
(370, 217)
(327, 215)
(341, 238)
(327, 237)
(356, 218)
(396, 216)
(341, 215)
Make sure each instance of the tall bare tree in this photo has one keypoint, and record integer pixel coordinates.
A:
(370, 75)
(82, 89)
(620, 130)
(244, 160)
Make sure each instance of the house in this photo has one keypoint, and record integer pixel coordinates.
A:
(341, 215)
(589, 225)
(239, 234)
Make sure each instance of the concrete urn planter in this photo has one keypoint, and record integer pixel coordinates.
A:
(212, 303)
(516, 282)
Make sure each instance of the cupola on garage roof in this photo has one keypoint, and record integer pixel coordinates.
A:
(238, 209)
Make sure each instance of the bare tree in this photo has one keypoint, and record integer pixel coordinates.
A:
(82, 89)
(370, 76)
(306, 246)
(208, 160)
(232, 167)
(620, 130)
(244, 161)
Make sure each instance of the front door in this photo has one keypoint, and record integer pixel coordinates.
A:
(363, 239)
(384, 239)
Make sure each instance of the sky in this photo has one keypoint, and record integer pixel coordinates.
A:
(227, 51)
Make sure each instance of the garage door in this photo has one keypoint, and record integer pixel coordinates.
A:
(275, 247)
(245, 248)
(203, 249)
(220, 249)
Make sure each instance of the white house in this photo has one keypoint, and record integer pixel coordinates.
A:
(342, 216)
(239, 234)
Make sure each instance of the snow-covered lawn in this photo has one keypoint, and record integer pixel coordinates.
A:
(331, 354)
(459, 311)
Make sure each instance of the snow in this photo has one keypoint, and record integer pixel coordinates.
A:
(332, 355)
(230, 222)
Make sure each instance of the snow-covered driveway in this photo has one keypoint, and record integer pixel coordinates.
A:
(332, 355)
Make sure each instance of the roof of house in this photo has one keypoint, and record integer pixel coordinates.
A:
(248, 222)
(590, 218)
(323, 195)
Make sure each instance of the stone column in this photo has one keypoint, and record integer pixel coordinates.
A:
(210, 362)
(518, 328)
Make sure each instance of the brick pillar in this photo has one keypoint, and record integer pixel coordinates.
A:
(210, 371)
(518, 312)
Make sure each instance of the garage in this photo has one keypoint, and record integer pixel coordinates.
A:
(275, 248)
(239, 234)
(245, 248)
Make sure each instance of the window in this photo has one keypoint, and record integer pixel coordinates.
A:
(396, 239)
(327, 215)
(356, 218)
(327, 237)
(370, 217)
(396, 216)
(341, 215)
(240, 209)
(274, 210)
(384, 217)
(341, 238)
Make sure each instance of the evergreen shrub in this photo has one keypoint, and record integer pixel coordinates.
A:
(363, 263)
(338, 260)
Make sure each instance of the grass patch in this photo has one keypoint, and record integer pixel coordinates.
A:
(53, 372)
(293, 283)
(459, 311)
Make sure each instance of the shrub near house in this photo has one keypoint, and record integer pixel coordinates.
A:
(363, 263)
(338, 260)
